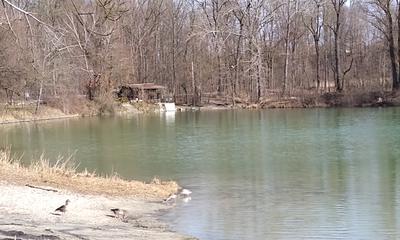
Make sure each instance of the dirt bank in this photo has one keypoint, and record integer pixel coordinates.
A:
(30, 194)
(21, 114)
(28, 213)
(305, 100)
(63, 174)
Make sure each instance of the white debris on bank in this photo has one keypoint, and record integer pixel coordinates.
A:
(167, 107)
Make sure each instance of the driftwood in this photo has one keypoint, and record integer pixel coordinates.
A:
(41, 188)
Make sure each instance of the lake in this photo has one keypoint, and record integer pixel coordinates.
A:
(273, 174)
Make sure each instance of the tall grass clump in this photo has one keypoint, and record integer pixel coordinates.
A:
(63, 174)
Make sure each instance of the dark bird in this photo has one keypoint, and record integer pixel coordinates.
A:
(119, 213)
(63, 208)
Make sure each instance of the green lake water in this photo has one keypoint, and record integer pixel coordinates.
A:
(274, 174)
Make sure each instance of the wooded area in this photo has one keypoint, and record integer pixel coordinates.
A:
(238, 49)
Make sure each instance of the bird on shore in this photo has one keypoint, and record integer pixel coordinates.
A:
(63, 208)
(119, 213)
(171, 197)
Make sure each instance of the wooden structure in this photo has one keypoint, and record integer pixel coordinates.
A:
(149, 92)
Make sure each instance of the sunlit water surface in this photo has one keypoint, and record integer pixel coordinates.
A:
(275, 174)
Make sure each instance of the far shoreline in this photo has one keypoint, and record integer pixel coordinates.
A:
(39, 119)
(322, 101)
(181, 108)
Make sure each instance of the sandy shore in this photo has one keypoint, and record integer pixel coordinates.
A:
(27, 213)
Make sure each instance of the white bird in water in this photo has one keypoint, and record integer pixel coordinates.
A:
(63, 208)
(185, 193)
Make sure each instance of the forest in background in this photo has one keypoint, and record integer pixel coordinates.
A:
(241, 50)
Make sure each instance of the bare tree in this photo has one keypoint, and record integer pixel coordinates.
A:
(381, 17)
(313, 21)
(338, 6)
(226, 51)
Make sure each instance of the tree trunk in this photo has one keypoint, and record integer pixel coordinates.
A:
(286, 66)
(39, 97)
(316, 43)
(194, 97)
(396, 84)
(219, 86)
(338, 71)
(258, 79)
(237, 58)
(392, 54)
(173, 58)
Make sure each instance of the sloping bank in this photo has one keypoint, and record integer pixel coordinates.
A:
(27, 114)
(30, 194)
(14, 115)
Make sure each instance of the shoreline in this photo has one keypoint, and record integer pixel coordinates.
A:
(325, 100)
(28, 213)
(184, 108)
(39, 119)
(307, 101)
(30, 194)
(18, 114)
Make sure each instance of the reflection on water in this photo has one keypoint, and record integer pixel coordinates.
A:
(297, 174)
(169, 117)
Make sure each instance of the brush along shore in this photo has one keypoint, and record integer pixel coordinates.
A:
(309, 99)
(30, 194)
(28, 114)
(63, 174)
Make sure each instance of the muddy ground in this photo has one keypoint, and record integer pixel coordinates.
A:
(28, 213)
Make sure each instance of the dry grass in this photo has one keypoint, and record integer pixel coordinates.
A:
(27, 113)
(64, 175)
(145, 107)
